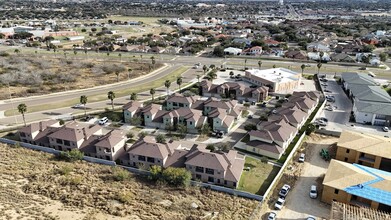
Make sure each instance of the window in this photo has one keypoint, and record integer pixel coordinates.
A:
(59, 141)
(22, 134)
(199, 169)
(209, 171)
(141, 158)
(198, 176)
(150, 159)
(336, 191)
(211, 179)
(147, 116)
(234, 184)
(190, 122)
(346, 159)
(218, 181)
(347, 151)
(225, 182)
(67, 143)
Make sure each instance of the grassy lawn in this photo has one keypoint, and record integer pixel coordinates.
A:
(258, 179)
(121, 93)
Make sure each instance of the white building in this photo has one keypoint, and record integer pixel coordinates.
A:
(279, 80)
(232, 51)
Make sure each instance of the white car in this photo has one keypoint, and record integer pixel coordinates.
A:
(279, 204)
(311, 217)
(284, 190)
(79, 106)
(272, 216)
(313, 192)
(103, 120)
(386, 129)
(329, 108)
(302, 158)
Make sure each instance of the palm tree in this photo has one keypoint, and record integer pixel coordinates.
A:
(167, 84)
(153, 61)
(111, 96)
(22, 108)
(75, 52)
(198, 78)
(260, 64)
(120, 57)
(245, 63)
(319, 66)
(83, 100)
(129, 72)
(133, 96)
(179, 83)
(302, 68)
(152, 92)
(117, 74)
(274, 66)
(231, 74)
(321, 54)
(204, 68)
(212, 75)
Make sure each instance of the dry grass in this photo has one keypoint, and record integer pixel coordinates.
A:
(32, 179)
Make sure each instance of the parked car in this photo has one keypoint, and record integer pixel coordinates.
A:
(327, 90)
(103, 120)
(280, 203)
(362, 68)
(284, 190)
(87, 118)
(311, 217)
(329, 108)
(320, 123)
(313, 192)
(82, 106)
(323, 119)
(302, 158)
(323, 84)
(250, 117)
(386, 129)
(263, 104)
(272, 216)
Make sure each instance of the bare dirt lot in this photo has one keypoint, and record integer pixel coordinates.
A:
(41, 74)
(300, 176)
(35, 185)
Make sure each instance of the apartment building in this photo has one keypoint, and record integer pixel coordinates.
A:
(364, 149)
(357, 185)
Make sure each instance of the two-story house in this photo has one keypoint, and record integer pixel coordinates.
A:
(130, 110)
(36, 133)
(217, 168)
(111, 145)
(177, 100)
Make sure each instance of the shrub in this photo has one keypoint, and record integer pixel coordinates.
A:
(264, 159)
(246, 104)
(61, 121)
(278, 105)
(156, 173)
(179, 177)
(142, 134)
(263, 117)
(4, 54)
(73, 180)
(125, 197)
(250, 127)
(211, 147)
(72, 155)
(160, 138)
(310, 128)
(65, 170)
(120, 174)
(245, 113)
(130, 135)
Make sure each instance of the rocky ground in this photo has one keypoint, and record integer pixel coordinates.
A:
(35, 185)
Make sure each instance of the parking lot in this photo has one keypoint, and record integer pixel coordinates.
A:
(298, 203)
(341, 107)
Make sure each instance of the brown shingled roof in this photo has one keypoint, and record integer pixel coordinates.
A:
(74, 131)
(111, 139)
(148, 147)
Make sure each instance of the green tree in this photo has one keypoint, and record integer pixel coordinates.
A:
(198, 78)
(274, 66)
(302, 68)
(205, 129)
(167, 84)
(152, 92)
(260, 64)
(211, 147)
(218, 51)
(250, 127)
(136, 121)
(319, 65)
(160, 138)
(179, 81)
(383, 57)
(212, 75)
(182, 129)
(111, 96)
(71, 156)
(17, 51)
(120, 57)
(245, 63)
(321, 55)
(155, 172)
(117, 74)
(310, 128)
(231, 74)
(153, 61)
(178, 177)
(83, 100)
(22, 108)
(133, 96)
(205, 68)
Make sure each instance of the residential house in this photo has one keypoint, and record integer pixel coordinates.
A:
(271, 43)
(234, 90)
(364, 149)
(146, 152)
(342, 57)
(36, 133)
(316, 56)
(232, 51)
(345, 211)
(156, 50)
(177, 100)
(357, 185)
(193, 119)
(214, 167)
(111, 145)
(371, 104)
(294, 54)
(130, 110)
(318, 47)
(72, 135)
(256, 51)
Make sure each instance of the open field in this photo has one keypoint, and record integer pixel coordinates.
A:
(37, 75)
(35, 185)
(96, 98)
(258, 179)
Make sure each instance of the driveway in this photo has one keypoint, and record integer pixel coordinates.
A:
(298, 204)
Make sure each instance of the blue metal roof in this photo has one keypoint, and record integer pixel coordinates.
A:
(365, 190)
